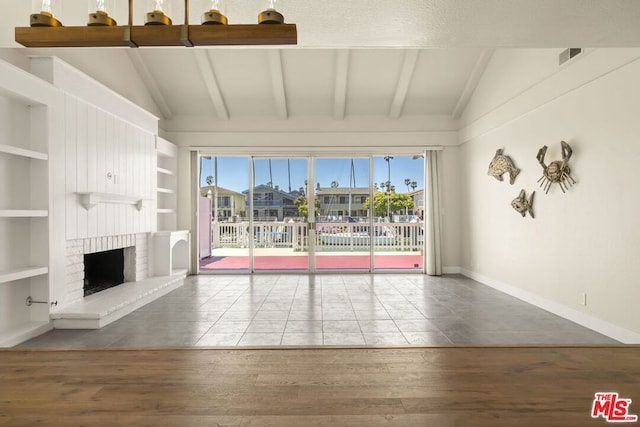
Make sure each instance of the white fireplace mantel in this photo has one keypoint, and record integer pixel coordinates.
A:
(91, 200)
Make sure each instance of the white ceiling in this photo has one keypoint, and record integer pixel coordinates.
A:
(356, 58)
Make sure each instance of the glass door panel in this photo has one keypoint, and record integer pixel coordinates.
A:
(399, 207)
(223, 186)
(343, 237)
(280, 228)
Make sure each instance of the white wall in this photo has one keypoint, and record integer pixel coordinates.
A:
(584, 241)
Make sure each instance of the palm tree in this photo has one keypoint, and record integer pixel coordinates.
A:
(209, 180)
(413, 184)
(375, 186)
(334, 184)
(407, 182)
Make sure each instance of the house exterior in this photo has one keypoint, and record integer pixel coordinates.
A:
(334, 201)
(230, 203)
(270, 203)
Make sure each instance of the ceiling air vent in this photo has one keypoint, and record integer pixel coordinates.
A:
(570, 53)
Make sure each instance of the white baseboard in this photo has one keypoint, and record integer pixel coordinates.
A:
(612, 331)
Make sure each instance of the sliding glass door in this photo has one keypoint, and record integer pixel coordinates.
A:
(279, 213)
(343, 237)
(306, 214)
(398, 212)
(223, 215)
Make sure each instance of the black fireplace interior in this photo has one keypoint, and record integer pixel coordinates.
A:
(103, 270)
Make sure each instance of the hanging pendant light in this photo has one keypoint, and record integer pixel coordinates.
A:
(99, 13)
(215, 13)
(270, 15)
(160, 11)
(44, 12)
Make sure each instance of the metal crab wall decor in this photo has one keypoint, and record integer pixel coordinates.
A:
(558, 171)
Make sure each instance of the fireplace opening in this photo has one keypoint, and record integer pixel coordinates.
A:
(103, 270)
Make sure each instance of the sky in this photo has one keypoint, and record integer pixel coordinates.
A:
(233, 172)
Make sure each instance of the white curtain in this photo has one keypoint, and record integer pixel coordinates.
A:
(433, 239)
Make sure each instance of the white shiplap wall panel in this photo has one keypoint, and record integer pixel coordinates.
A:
(92, 164)
(130, 172)
(70, 131)
(81, 163)
(110, 133)
(97, 143)
(101, 170)
(121, 143)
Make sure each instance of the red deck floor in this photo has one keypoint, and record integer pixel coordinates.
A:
(323, 262)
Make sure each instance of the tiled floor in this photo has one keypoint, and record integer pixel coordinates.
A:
(358, 309)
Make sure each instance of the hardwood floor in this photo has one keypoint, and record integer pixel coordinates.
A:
(452, 386)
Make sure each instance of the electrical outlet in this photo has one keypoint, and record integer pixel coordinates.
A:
(583, 298)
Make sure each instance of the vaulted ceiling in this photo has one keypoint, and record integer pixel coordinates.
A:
(392, 60)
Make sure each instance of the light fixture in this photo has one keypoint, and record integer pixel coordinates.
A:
(99, 13)
(160, 11)
(44, 12)
(215, 13)
(270, 15)
(159, 30)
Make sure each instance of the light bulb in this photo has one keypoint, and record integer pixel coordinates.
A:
(46, 6)
(270, 15)
(214, 13)
(44, 13)
(99, 13)
(160, 12)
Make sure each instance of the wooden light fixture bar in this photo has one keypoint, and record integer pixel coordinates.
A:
(158, 35)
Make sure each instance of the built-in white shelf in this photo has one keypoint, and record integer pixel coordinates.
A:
(23, 332)
(23, 213)
(17, 151)
(91, 200)
(165, 171)
(165, 190)
(165, 211)
(22, 273)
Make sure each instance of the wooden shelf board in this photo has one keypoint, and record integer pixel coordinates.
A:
(158, 35)
(17, 151)
(165, 190)
(246, 34)
(73, 36)
(165, 171)
(23, 332)
(22, 273)
(165, 211)
(23, 213)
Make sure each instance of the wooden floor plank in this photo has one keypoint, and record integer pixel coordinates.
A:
(452, 386)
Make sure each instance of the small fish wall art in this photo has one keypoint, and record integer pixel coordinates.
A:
(522, 205)
(558, 171)
(501, 164)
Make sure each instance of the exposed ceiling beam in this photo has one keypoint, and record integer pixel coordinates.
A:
(472, 82)
(406, 73)
(277, 81)
(150, 83)
(342, 74)
(211, 82)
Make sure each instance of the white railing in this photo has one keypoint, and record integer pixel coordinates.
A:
(358, 236)
(330, 235)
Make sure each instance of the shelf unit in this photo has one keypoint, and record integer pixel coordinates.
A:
(25, 200)
(167, 184)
